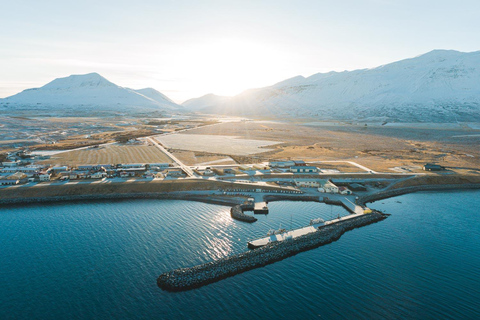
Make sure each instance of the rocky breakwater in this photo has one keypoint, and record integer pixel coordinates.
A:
(198, 276)
(236, 213)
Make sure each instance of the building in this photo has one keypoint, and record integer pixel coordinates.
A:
(158, 166)
(328, 187)
(43, 176)
(10, 163)
(303, 169)
(8, 182)
(281, 164)
(98, 175)
(299, 163)
(344, 190)
(59, 169)
(175, 173)
(133, 165)
(207, 172)
(127, 174)
(357, 187)
(307, 183)
(433, 167)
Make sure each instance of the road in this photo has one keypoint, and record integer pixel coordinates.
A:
(184, 167)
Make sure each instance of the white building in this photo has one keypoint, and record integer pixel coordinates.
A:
(307, 183)
(43, 176)
(303, 169)
(281, 164)
(328, 187)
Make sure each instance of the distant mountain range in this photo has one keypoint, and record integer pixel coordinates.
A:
(91, 91)
(439, 86)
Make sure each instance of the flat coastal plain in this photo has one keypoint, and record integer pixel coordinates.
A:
(390, 148)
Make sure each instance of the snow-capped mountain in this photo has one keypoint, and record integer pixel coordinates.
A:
(206, 101)
(90, 91)
(155, 95)
(442, 85)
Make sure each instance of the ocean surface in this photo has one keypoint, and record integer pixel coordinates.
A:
(100, 260)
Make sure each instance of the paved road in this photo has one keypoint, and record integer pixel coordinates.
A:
(184, 167)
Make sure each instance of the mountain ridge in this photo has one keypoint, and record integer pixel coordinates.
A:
(91, 90)
(441, 85)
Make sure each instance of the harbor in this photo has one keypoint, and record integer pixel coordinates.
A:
(197, 276)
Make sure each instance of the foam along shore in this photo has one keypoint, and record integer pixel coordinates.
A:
(198, 276)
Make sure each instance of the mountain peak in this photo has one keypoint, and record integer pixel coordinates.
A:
(79, 80)
(94, 91)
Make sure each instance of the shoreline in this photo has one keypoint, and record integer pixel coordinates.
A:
(406, 190)
(182, 190)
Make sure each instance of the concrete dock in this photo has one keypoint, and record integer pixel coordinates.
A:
(356, 211)
(260, 208)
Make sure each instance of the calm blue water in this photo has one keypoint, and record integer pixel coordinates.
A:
(100, 260)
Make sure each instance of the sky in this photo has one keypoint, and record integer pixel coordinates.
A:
(186, 49)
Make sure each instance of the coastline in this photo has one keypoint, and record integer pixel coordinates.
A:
(412, 189)
(191, 190)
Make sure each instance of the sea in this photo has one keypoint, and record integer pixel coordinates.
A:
(101, 259)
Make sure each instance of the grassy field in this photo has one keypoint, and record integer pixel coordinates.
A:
(111, 154)
(200, 158)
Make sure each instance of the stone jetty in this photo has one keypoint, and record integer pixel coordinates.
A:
(198, 276)
(236, 213)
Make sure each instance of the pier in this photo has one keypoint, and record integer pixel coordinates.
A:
(194, 277)
(260, 207)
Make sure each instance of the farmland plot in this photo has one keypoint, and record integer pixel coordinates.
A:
(111, 154)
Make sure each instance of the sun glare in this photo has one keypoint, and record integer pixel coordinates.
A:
(229, 66)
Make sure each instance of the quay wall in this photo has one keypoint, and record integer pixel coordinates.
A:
(189, 278)
(220, 200)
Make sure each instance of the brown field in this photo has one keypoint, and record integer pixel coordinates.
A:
(377, 147)
(111, 154)
(192, 158)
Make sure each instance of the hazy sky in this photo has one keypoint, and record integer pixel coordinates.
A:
(186, 49)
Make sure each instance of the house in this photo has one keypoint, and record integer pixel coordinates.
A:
(307, 183)
(20, 176)
(299, 163)
(85, 167)
(78, 174)
(344, 190)
(98, 175)
(303, 169)
(10, 163)
(175, 173)
(132, 165)
(59, 169)
(43, 176)
(207, 172)
(158, 166)
(149, 175)
(126, 174)
(328, 187)
(433, 167)
(281, 164)
(8, 182)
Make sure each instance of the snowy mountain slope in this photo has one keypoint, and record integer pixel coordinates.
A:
(156, 96)
(91, 91)
(206, 101)
(438, 86)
